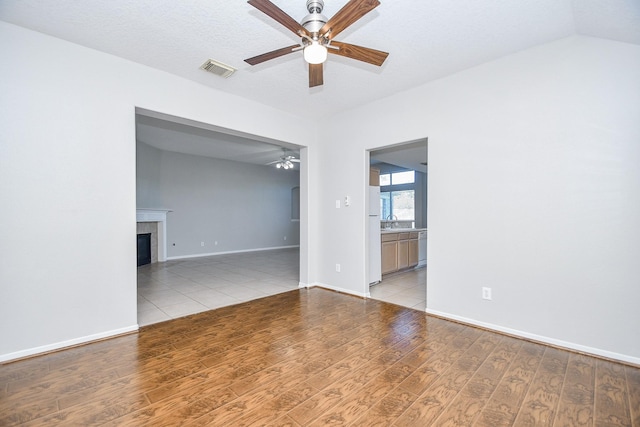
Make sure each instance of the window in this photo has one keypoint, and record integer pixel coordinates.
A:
(398, 205)
(403, 204)
(385, 204)
(407, 177)
(397, 198)
(397, 178)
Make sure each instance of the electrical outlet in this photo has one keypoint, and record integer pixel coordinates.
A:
(338, 204)
(201, 243)
(486, 293)
(285, 237)
(337, 268)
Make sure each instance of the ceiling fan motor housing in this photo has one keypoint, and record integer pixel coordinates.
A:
(315, 19)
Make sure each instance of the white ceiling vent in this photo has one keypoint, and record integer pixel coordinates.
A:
(217, 68)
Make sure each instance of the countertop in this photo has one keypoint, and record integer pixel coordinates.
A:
(400, 230)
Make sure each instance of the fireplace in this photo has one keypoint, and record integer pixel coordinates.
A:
(154, 222)
(144, 249)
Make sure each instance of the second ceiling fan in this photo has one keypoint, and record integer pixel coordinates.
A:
(317, 35)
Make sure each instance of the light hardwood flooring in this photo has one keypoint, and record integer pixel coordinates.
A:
(315, 358)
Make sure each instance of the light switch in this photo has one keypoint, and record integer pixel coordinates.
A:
(337, 204)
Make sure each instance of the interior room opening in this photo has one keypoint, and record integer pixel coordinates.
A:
(223, 213)
(397, 224)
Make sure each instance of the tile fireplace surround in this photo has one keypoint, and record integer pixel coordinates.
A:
(158, 216)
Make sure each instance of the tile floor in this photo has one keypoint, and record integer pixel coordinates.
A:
(181, 287)
(408, 289)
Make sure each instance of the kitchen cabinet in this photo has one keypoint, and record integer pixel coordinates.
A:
(399, 251)
(389, 252)
(403, 254)
(389, 257)
(374, 177)
(413, 252)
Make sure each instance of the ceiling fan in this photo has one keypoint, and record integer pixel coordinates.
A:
(317, 35)
(285, 161)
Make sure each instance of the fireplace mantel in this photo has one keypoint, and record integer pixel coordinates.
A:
(159, 216)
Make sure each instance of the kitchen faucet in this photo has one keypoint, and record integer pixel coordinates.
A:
(391, 218)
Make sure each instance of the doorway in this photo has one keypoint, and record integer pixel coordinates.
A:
(400, 170)
(231, 234)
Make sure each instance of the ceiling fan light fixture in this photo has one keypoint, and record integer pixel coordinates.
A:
(286, 161)
(315, 53)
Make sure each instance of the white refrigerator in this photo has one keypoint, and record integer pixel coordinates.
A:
(375, 254)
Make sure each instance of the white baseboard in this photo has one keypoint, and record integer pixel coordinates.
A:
(231, 252)
(333, 288)
(539, 338)
(64, 344)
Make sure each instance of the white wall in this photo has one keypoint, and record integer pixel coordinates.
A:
(67, 183)
(148, 190)
(534, 191)
(240, 206)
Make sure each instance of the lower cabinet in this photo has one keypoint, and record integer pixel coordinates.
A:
(413, 252)
(389, 257)
(403, 254)
(399, 251)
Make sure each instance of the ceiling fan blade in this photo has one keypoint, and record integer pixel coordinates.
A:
(350, 13)
(315, 75)
(372, 56)
(278, 15)
(271, 55)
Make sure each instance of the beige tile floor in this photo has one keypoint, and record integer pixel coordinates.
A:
(181, 287)
(408, 289)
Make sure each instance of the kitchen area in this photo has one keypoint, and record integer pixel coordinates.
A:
(397, 224)
(402, 248)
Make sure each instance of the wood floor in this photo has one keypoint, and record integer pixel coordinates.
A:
(315, 358)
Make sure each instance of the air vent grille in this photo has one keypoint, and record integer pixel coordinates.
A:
(217, 68)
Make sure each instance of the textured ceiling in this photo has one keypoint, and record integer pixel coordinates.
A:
(426, 39)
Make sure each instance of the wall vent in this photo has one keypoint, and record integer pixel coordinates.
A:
(217, 68)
